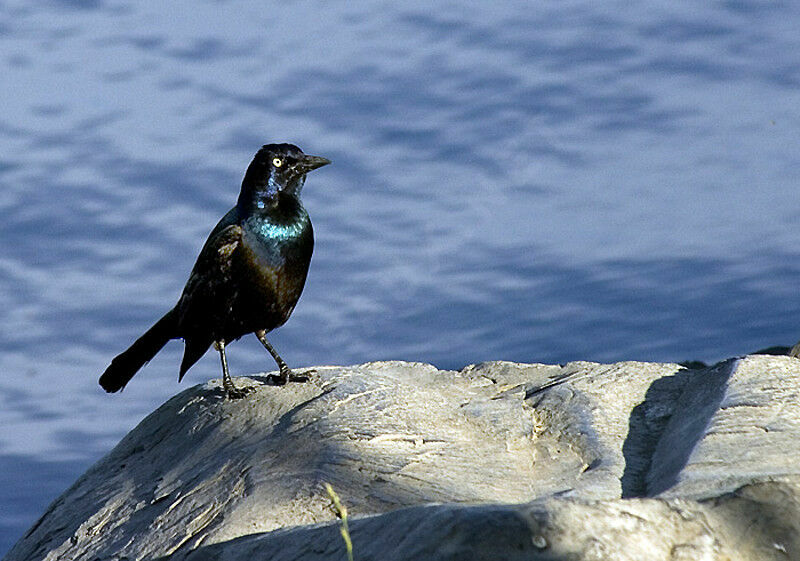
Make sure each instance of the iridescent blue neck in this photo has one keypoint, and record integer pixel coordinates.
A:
(282, 231)
(260, 197)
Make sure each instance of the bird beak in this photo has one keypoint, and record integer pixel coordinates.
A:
(309, 163)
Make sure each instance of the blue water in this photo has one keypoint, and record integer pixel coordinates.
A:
(538, 182)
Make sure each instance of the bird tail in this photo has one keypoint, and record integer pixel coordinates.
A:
(127, 364)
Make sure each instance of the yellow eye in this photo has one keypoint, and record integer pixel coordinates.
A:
(277, 162)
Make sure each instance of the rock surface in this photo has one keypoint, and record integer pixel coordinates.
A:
(498, 461)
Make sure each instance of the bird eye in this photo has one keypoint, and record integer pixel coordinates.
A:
(277, 162)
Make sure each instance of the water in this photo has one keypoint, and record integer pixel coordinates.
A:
(538, 182)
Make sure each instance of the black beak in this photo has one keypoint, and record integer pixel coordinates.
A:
(309, 163)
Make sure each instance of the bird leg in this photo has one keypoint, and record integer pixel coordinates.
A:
(227, 383)
(286, 373)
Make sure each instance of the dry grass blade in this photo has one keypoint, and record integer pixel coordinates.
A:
(341, 512)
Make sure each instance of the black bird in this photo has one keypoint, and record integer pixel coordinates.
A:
(248, 276)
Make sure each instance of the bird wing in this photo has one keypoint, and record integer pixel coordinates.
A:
(211, 287)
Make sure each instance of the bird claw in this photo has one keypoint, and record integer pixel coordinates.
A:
(232, 392)
(288, 375)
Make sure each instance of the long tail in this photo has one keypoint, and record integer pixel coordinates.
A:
(128, 363)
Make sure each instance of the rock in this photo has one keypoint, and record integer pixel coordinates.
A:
(498, 461)
(745, 428)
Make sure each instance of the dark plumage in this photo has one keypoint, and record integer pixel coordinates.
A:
(248, 276)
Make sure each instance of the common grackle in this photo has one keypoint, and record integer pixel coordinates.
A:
(248, 276)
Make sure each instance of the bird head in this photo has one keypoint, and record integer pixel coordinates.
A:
(276, 169)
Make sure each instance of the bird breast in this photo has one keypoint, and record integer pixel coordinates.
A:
(275, 257)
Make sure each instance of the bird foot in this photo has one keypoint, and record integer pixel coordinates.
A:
(232, 392)
(288, 375)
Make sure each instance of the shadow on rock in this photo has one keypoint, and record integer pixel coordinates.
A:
(433, 533)
(666, 426)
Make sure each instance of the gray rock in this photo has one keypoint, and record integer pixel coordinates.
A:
(498, 461)
(744, 426)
